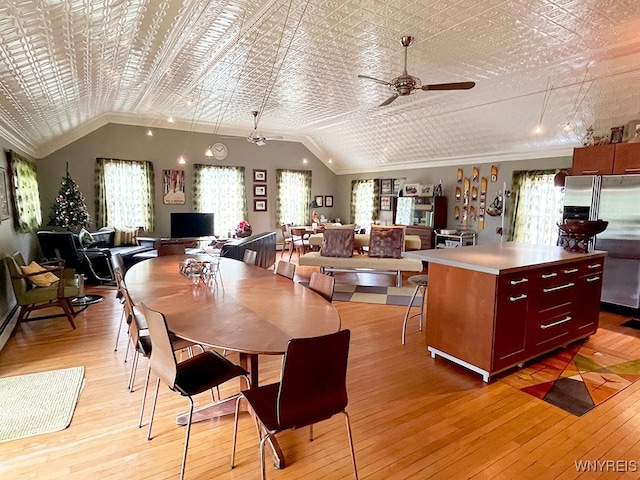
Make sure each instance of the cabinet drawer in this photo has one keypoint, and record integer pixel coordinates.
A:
(553, 328)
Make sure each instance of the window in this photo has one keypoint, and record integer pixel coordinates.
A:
(293, 196)
(537, 207)
(364, 205)
(124, 193)
(26, 196)
(221, 191)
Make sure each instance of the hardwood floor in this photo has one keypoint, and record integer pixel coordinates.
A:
(412, 416)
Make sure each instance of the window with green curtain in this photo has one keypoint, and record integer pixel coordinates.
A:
(293, 196)
(537, 207)
(25, 193)
(221, 191)
(364, 202)
(124, 193)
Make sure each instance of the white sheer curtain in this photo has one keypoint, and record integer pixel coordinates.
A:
(293, 197)
(364, 194)
(537, 207)
(221, 191)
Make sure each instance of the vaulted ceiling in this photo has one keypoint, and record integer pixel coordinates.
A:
(70, 66)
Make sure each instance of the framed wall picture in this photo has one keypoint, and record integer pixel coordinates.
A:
(319, 200)
(4, 196)
(259, 205)
(426, 190)
(411, 189)
(259, 175)
(385, 204)
(259, 190)
(173, 187)
(397, 185)
(386, 186)
(328, 201)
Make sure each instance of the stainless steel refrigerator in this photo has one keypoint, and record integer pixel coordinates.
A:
(616, 199)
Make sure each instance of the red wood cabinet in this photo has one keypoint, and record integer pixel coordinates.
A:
(597, 160)
(626, 159)
(489, 323)
(617, 159)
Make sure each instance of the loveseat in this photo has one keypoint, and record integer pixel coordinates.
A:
(384, 256)
(263, 243)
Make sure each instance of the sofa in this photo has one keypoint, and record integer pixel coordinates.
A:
(263, 243)
(386, 245)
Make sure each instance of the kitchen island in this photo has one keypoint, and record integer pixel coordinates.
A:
(491, 307)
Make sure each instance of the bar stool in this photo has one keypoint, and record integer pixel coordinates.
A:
(420, 281)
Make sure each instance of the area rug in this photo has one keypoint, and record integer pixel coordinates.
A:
(369, 294)
(577, 379)
(38, 402)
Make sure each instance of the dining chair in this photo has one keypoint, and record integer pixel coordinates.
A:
(250, 256)
(312, 388)
(188, 378)
(30, 297)
(288, 241)
(420, 282)
(322, 284)
(300, 239)
(286, 269)
(118, 273)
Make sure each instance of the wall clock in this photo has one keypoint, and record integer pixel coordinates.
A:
(219, 151)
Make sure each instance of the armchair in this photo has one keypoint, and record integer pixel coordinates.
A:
(93, 262)
(31, 298)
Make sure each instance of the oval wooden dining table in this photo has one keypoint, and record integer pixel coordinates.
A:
(249, 310)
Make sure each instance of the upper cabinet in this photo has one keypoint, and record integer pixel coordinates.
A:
(597, 160)
(618, 158)
(627, 158)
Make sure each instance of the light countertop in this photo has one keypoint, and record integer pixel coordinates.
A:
(502, 258)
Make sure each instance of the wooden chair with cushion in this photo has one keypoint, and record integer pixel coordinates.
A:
(288, 241)
(300, 239)
(286, 269)
(322, 284)
(312, 388)
(188, 378)
(37, 287)
(119, 270)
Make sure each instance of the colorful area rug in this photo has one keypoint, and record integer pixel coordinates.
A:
(368, 294)
(39, 402)
(577, 379)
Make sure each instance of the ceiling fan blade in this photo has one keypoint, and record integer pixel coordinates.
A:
(375, 80)
(450, 86)
(388, 101)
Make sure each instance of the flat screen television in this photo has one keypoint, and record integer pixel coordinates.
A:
(191, 225)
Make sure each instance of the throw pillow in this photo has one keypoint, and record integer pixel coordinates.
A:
(85, 238)
(124, 236)
(45, 280)
(337, 243)
(386, 242)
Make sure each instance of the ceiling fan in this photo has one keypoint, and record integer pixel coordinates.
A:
(406, 84)
(255, 137)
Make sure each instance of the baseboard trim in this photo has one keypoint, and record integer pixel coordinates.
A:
(8, 324)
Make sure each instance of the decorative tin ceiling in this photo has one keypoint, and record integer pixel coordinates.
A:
(70, 66)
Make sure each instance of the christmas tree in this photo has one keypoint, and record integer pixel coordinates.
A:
(69, 210)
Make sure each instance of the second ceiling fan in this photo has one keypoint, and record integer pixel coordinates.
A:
(406, 84)
(254, 137)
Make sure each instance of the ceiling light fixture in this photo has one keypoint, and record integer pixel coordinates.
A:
(208, 152)
(545, 101)
(149, 132)
(182, 160)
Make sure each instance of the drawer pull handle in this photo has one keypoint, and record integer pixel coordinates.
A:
(632, 170)
(595, 265)
(516, 282)
(589, 172)
(555, 324)
(549, 275)
(572, 270)
(593, 279)
(515, 299)
(559, 287)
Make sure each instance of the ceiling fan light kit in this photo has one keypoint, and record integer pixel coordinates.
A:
(254, 137)
(406, 84)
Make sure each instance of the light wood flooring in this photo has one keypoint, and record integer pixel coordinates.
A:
(412, 416)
